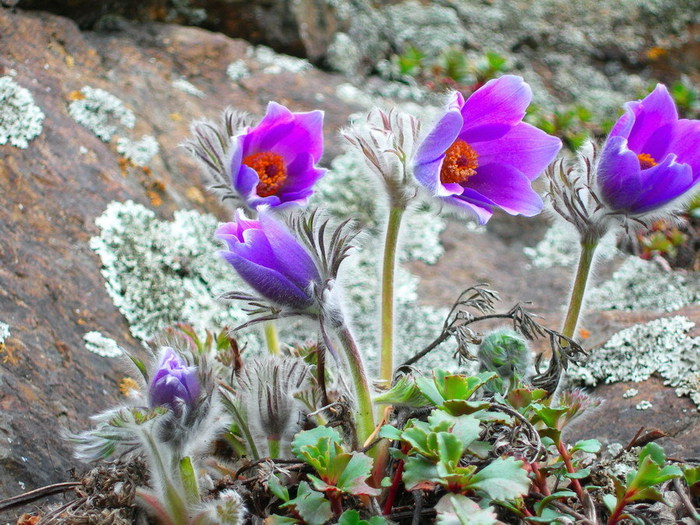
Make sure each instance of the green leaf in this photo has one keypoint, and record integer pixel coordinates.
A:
(692, 478)
(417, 471)
(655, 451)
(590, 446)
(189, 480)
(449, 448)
(313, 508)
(456, 509)
(610, 502)
(352, 517)
(357, 470)
(429, 390)
(541, 505)
(502, 480)
(277, 488)
(404, 393)
(580, 474)
(390, 432)
(312, 438)
(276, 519)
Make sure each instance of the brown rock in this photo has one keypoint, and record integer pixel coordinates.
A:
(51, 290)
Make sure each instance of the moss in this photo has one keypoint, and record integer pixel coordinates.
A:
(642, 285)
(21, 120)
(103, 346)
(660, 347)
(140, 152)
(101, 112)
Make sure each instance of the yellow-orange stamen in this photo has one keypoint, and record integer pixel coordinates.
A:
(460, 163)
(270, 168)
(646, 161)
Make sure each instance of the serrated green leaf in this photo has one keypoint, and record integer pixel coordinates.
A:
(428, 389)
(655, 452)
(404, 393)
(502, 479)
(418, 470)
(390, 432)
(449, 448)
(277, 488)
(457, 509)
(312, 438)
(354, 476)
(352, 517)
(312, 506)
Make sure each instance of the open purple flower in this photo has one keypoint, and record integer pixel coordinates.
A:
(481, 156)
(274, 163)
(650, 157)
(270, 259)
(174, 383)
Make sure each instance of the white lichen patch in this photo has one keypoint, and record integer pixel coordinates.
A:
(630, 392)
(237, 70)
(275, 63)
(661, 347)
(642, 285)
(4, 332)
(103, 346)
(560, 247)
(101, 112)
(186, 86)
(140, 152)
(21, 120)
(643, 405)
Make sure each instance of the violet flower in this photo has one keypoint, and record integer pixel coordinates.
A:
(274, 163)
(174, 383)
(650, 158)
(481, 156)
(270, 259)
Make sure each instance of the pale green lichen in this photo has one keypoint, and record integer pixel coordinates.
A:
(186, 86)
(630, 392)
(661, 347)
(643, 405)
(237, 70)
(560, 247)
(103, 346)
(4, 332)
(140, 152)
(642, 285)
(101, 112)
(275, 63)
(21, 120)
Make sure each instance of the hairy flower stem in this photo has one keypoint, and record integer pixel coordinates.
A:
(585, 263)
(386, 368)
(273, 447)
(271, 339)
(364, 419)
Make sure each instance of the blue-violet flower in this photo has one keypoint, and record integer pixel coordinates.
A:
(274, 163)
(270, 259)
(650, 158)
(174, 383)
(481, 156)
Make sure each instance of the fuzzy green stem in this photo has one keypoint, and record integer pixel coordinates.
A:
(577, 294)
(386, 368)
(273, 343)
(273, 447)
(364, 419)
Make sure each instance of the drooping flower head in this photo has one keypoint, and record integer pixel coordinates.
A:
(650, 158)
(174, 384)
(481, 156)
(272, 164)
(270, 259)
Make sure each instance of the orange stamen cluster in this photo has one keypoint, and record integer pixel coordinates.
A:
(460, 163)
(271, 170)
(646, 161)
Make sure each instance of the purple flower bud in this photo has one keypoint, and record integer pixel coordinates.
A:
(650, 158)
(481, 156)
(274, 163)
(270, 259)
(174, 383)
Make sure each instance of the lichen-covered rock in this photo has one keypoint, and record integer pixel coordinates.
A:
(20, 118)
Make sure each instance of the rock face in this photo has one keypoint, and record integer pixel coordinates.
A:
(51, 290)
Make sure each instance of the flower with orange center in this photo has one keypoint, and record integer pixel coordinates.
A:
(275, 163)
(651, 157)
(481, 156)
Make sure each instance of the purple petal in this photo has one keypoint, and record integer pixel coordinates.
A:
(494, 108)
(443, 134)
(292, 259)
(474, 203)
(619, 175)
(508, 188)
(651, 113)
(268, 282)
(524, 147)
(301, 174)
(685, 143)
(663, 183)
(428, 175)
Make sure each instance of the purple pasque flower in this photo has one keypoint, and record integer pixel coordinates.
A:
(174, 384)
(481, 155)
(274, 163)
(270, 259)
(650, 158)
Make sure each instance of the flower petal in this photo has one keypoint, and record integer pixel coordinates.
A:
(474, 203)
(656, 110)
(619, 175)
(508, 188)
(524, 147)
(662, 184)
(494, 108)
(443, 134)
(685, 143)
